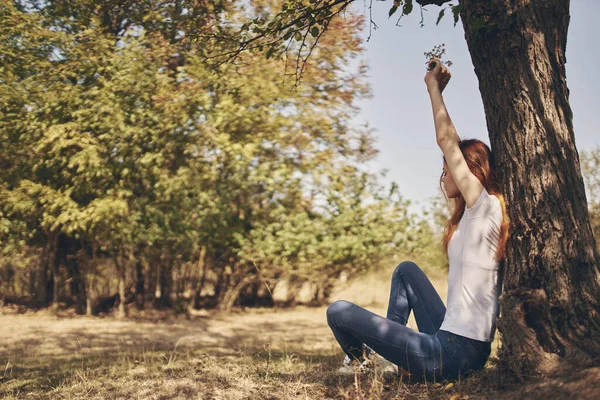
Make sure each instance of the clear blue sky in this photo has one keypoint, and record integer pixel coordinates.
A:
(400, 111)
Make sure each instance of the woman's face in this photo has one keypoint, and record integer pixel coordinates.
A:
(448, 182)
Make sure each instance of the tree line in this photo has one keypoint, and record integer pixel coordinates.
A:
(134, 170)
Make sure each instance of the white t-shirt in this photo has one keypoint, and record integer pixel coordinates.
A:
(473, 290)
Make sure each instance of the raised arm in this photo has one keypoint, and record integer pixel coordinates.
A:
(447, 138)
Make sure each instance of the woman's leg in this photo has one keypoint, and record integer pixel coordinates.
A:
(411, 290)
(414, 351)
(442, 355)
(419, 353)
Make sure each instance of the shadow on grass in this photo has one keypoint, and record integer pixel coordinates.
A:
(199, 333)
(47, 357)
(240, 356)
(76, 373)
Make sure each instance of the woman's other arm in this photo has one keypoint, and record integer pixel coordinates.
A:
(447, 137)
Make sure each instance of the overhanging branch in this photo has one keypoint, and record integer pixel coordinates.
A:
(429, 2)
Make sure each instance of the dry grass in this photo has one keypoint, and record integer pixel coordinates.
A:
(257, 354)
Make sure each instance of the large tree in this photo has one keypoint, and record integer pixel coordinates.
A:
(551, 295)
(550, 302)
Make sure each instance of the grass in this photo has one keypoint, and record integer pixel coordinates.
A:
(256, 354)
(135, 371)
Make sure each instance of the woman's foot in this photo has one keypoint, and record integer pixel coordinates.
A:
(381, 365)
(352, 367)
(371, 362)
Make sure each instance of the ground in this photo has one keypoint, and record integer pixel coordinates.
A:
(250, 354)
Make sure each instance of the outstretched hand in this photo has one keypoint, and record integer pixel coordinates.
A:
(437, 76)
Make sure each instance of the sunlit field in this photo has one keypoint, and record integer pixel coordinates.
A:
(248, 354)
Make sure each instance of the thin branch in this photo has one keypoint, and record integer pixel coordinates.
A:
(304, 18)
(298, 19)
(372, 24)
(429, 2)
(285, 65)
(243, 46)
(308, 55)
(399, 18)
(299, 57)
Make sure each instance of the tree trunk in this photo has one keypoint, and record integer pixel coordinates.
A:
(42, 283)
(139, 284)
(91, 281)
(47, 258)
(166, 283)
(68, 248)
(157, 290)
(550, 317)
(120, 267)
(198, 280)
(233, 293)
(122, 310)
(54, 268)
(55, 287)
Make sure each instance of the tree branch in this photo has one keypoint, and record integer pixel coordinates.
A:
(429, 2)
(302, 16)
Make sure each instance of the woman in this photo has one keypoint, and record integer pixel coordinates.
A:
(454, 341)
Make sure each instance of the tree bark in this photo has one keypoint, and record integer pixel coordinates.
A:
(198, 280)
(157, 290)
(140, 283)
(233, 293)
(54, 264)
(42, 283)
(550, 317)
(165, 281)
(68, 249)
(120, 267)
(47, 258)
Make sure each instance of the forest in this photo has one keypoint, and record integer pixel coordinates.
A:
(136, 172)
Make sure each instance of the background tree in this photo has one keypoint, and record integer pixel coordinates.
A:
(137, 171)
(590, 168)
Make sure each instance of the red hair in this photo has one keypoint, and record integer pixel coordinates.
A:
(480, 160)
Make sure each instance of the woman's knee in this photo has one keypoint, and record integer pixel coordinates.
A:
(406, 268)
(338, 308)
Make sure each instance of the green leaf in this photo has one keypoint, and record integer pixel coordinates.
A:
(314, 31)
(392, 10)
(408, 7)
(456, 12)
(440, 16)
(270, 52)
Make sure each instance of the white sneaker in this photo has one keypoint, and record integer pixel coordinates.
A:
(380, 364)
(353, 367)
(373, 362)
(377, 362)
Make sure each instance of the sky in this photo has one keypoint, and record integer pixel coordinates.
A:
(400, 110)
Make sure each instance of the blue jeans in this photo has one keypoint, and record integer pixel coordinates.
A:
(430, 352)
